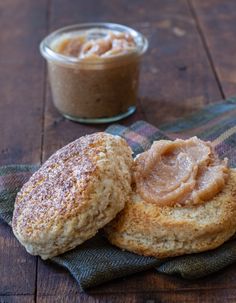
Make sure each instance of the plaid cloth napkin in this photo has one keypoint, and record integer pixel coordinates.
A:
(96, 261)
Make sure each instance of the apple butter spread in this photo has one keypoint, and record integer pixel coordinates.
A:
(180, 172)
(94, 71)
(89, 46)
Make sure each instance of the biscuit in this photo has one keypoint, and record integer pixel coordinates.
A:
(77, 191)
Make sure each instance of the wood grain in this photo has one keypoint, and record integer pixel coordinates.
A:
(23, 24)
(179, 296)
(176, 78)
(216, 21)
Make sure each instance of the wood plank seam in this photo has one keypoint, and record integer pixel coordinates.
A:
(205, 45)
(48, 13)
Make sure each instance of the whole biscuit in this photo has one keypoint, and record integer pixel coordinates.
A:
(76, 192)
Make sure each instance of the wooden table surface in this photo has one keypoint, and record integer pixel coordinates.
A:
(191, 62)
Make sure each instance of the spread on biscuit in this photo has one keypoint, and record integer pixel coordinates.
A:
(180, 172)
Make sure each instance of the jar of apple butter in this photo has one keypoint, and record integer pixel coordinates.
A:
(94, 70)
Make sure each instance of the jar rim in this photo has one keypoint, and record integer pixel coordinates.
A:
(49, 54)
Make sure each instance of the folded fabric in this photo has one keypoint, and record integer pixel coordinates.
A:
(97, 261)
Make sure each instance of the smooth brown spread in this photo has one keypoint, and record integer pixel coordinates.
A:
(180, 172)
(92, 45)
(107, 87)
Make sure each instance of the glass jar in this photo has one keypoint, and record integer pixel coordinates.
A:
(94, 91)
